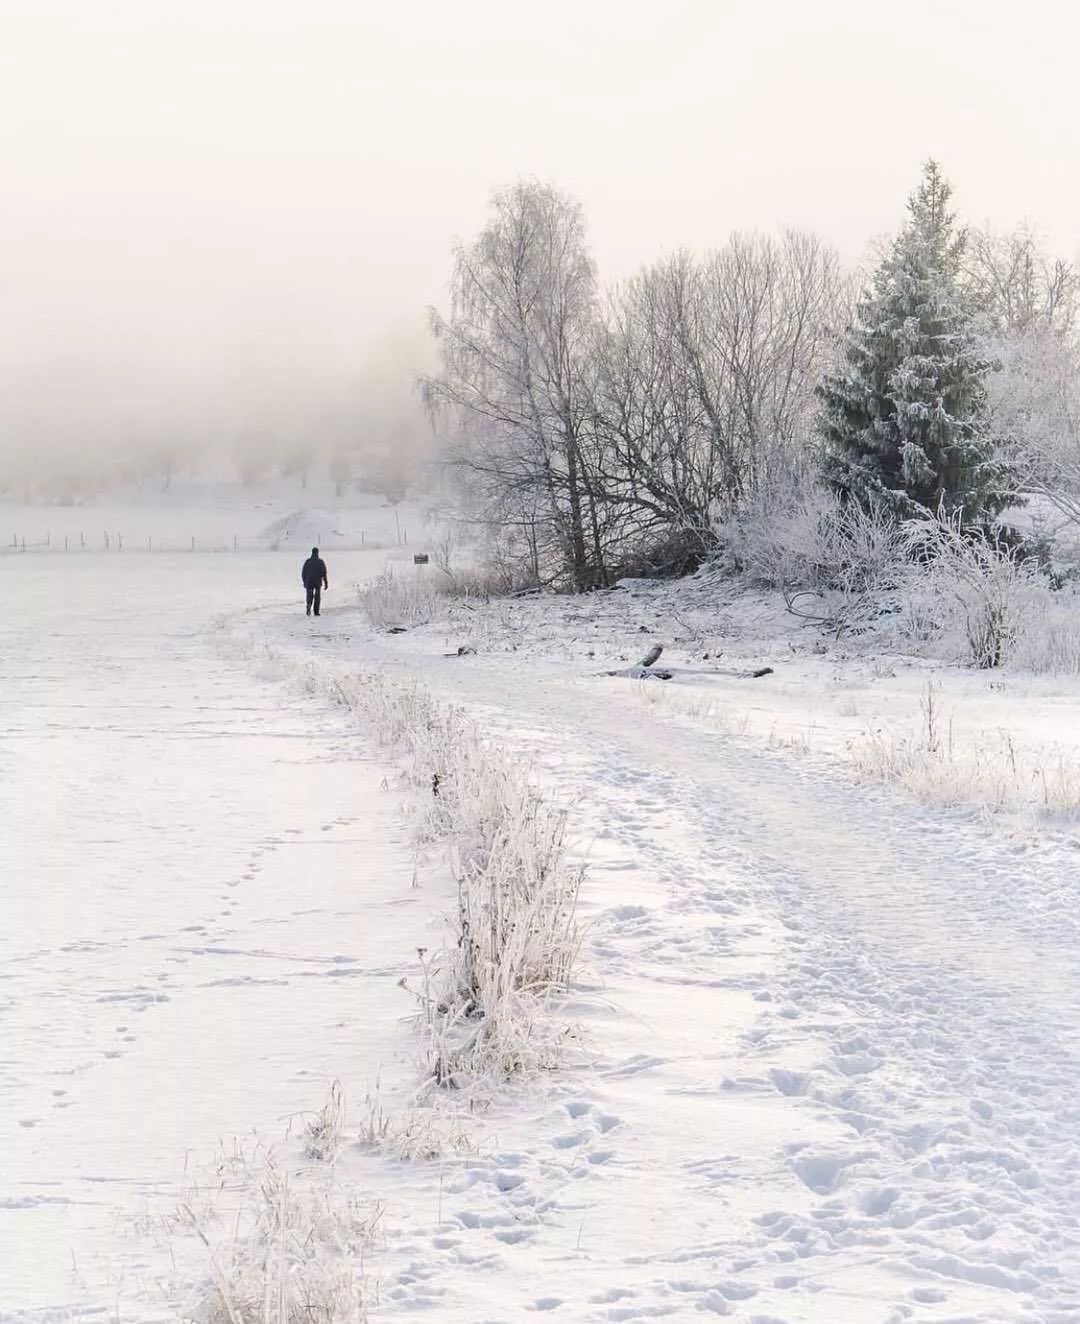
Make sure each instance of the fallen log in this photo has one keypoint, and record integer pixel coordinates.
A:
(646, 673)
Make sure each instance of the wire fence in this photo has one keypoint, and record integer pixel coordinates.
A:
(108, 540)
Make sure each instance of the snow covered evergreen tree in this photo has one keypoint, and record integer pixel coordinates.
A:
(907, 424)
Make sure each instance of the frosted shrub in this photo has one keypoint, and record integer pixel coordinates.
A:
(402, 598)
(289, 1257)
(807, 538)
(986, 770)
(489, 1002)
(986, 589)
(1048, 642)
(324, 1134)
(810, 544)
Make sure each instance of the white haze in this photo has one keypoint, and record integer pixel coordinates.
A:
(225, 217)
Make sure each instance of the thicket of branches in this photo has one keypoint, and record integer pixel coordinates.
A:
(597, 431)
(592, 432)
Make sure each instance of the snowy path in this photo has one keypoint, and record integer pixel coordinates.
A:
(836, 1045)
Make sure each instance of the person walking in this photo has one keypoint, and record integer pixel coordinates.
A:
(314, 578)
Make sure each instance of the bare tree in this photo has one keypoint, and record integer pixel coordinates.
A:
(1035, 405)
(706, 380)
(1016, 287)
(597, 439)
(514, 392)
(1029, 305)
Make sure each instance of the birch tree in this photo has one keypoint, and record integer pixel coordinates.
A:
(515, 392)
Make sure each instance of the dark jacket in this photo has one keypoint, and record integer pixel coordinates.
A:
(314, 573)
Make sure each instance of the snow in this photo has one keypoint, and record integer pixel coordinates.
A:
(208, 514)
(826, 1055)
(196, 866)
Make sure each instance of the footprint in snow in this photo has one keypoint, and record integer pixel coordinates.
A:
(514, 1236)
(823, 1173)
(571, 1141)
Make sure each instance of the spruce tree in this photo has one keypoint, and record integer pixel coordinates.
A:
(906, 424)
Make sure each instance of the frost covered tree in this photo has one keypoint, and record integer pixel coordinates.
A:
(705, 385)
(906, 421)
(1028, 308)
(515, 388)
(1015, 289)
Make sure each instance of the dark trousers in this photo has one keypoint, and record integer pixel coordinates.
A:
(314, 597)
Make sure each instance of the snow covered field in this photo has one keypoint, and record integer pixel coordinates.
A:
(206, 890)
(827, 1051)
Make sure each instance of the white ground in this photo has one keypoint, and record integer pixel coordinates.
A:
(828, 1060)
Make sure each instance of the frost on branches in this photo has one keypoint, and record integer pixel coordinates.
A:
(907, 424)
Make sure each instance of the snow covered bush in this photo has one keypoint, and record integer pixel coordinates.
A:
(985, 588)
(489, 1001)
(1048, 643)
(810, 544)
(808, 538)
(402, 598)
(291, 1255)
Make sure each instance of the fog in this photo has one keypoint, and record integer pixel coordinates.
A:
(223, 219)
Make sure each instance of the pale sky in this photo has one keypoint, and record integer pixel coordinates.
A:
(194, 187)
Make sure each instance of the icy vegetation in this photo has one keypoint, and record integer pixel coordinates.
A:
(489, 999)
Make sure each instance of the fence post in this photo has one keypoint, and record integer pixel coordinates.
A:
(192, 542)
(82, 540)
(234, 546)
(65, 542)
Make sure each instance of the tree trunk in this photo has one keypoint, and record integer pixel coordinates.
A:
(579, 561)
